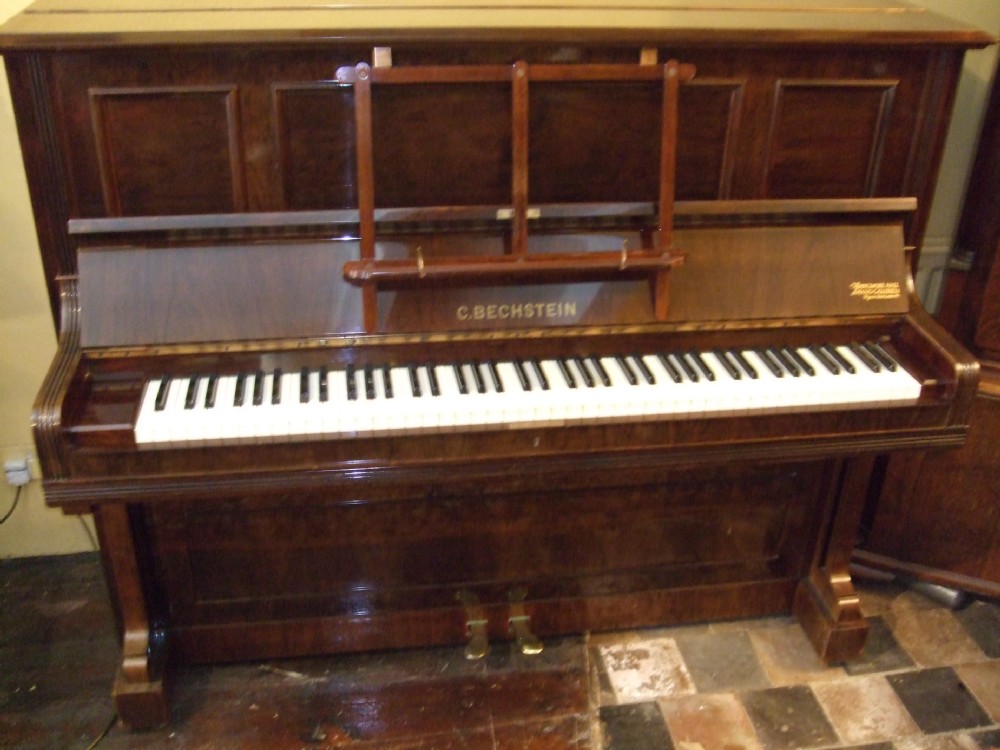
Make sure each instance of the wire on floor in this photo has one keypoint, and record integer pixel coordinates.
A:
(102, 735)
(13, 506)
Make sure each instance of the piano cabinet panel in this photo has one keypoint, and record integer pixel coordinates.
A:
(589, 558)
(270, 132)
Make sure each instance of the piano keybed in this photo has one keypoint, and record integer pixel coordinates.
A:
(330, 402)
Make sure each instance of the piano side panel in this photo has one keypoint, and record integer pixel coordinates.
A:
(308, 558)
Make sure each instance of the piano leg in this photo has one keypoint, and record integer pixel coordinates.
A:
(826, 603)
(139, 691)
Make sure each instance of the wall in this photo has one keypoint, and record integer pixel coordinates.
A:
(27, 341)
(27, 345)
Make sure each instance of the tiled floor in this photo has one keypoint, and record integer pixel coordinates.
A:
(928, 680)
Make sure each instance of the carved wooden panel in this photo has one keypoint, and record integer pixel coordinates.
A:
(168, 150)
(837, 155)
(710, 117)
(314, 132)
(442, 144)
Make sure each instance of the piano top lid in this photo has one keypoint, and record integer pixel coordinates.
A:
(104, 23)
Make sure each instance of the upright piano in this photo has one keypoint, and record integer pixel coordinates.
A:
(385, 324)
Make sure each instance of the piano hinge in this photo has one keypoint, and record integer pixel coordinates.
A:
(478, 644)
(649, 56)
(519, 623)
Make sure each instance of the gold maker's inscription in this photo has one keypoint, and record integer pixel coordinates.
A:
(517, 311)
(876, 290)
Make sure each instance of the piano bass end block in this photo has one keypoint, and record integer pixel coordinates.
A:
(141, 705)
(836, 629)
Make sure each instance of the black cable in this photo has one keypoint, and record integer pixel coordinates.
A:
(90, 536)
(13, 506)
(95, 743)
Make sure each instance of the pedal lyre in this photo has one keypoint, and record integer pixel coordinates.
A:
(519, 624)
(478, 644)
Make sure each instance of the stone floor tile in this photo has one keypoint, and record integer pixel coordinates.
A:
(709, 722)
(938, 700)
(988, 739)
(636, 726)
(876, 596)
(788, 718)
(981, 621)
(756, 623)
(865, 709)
(872, 746)
(788, 657)
(958, 741)
(983, 680)
(933, 637)
(722, 661)
(882, 653)
(646, 670)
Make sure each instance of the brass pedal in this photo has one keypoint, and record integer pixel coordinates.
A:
(519, 624)
(479, 644)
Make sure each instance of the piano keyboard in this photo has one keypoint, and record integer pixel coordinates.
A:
(385, 400)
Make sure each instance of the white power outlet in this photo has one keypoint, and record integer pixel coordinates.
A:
(17, 471)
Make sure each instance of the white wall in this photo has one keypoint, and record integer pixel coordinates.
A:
(27, 341)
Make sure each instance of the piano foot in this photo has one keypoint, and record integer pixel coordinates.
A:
(141, 705)
(829, 611)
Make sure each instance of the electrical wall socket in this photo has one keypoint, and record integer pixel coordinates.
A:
(17, 471)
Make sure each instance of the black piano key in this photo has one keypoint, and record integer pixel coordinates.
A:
(801, 362)
(522, 375)
(432, 378)
(786, 361)
(387, 381)
(565, 371)
(276, 386)
(414, 381)
(689, 370)
(588, 378)
(241, 389)
(841, 359)
(211, 390)
(352, 383)
(369, 382)
(748, 368)
(702, 365)
(463, 387)
(258, 388)
(669, 367)
(477, 378)
(770, 362)
(536, 367)
(324, 386)
(881, 355)
(724, 360)
(867, 359)
(602, 374)
(646, 373)
(191, 397)
(161, 395)
(491, 367)
(304, 385)
(626, 369)
(825, 359)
